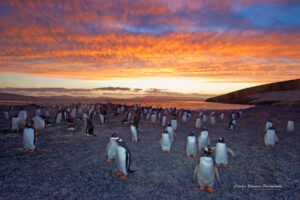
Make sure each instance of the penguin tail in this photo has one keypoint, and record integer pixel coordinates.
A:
(130, 171)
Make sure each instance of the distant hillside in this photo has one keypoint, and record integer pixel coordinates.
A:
(280, 92)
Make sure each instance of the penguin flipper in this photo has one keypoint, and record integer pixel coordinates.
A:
(106, 149)
(195, 172)
(217, 175)
(230, 151)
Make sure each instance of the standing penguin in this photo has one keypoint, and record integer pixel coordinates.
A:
(203, 139)
(206, 172)
(111, 147)
(290, 126)
(269, 124)
(164, 120)
(58, 118)
(198, 122)
(171, 132)
(123, 160)
(165, 142)
(89, 128)
(212, 120)
(232, 125)
(221, 151)
(174, 124)
(270, 137)
(15, 124)
(191, 146)
(134, 132)
(222, 116)
(153, 117)
(29, 139)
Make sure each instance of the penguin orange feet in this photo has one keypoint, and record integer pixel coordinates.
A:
(25, 150)
(218, 165)
(119, 173)
(169, 152)
(272, 146)
(109, 160)
(267, 146)
(162, 151)
(188, 156)
(210, 189)
(224, 165)
(30, 151)
(194, 156)
(123, 176)
(202, 188)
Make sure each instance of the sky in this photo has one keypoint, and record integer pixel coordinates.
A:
(129, 48)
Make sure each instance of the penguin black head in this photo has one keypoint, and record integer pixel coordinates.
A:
(165, 131)
(208, 151)
(28, 125)
(204, 128)
(169, 124)
(114, 135)
(191, 133)
(271, 127)
(222, 140)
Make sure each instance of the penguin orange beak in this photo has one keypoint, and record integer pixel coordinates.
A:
(224, 140)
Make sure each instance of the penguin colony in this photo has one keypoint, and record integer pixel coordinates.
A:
(210, 159)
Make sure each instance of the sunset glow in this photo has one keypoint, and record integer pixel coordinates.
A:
(184, 47)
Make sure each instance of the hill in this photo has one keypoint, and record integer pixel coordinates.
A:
(279, 92)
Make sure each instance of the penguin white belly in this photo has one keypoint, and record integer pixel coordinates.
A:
(174, 124)
(202, 139)
(270, 137)
(28, 139)
(212, 120)
(165, 142)
(290, 126)
(47, 114)
(121, 159)
(22, 117)
(15, 123)
(171, 133)
(184, 118)
(112, 149)
(205, 174)
(191, 148)
(221, 156)
(164, 121)
(204, 118)
(58, 118)
(38, 123)
(101, 118)
(198, 123)
(129, 116)
(38, 111)
(6, 115)
(73, 113)
(222, 116)
(153, 118)
(133, 132)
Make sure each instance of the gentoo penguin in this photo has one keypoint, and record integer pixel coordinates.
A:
(165, 142)
(58, 118)
(198, 122)
(123, 160)
(73, 113)
(268, 125)
(212, 120)
(38, 112)
(206, 172)
(153, 117)
(184, 117)
(134, 132)
(270, 137)
(232, 124)
(191, 146)
(89, 128)
(164, 120)
(111, 147)
(22, 118)
(47, 114)
(221, 151)
(29, 139)
(101, 117)
(171, 132)
(222, 116)
(203, 139)
(174, 124)
(290, 126)
(15, 124)
(38, 123)
(6, 115)
(204, 118)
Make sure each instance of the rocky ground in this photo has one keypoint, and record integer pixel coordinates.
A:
(72, 166)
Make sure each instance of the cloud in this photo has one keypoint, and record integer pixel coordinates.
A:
(104, 40)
